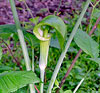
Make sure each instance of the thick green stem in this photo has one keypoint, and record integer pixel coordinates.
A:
(66, 48)
(44, 48)
(32, 85)
(21, 38)
(42, 72)
(20, 34)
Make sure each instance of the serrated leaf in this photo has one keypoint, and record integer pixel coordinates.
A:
(56, 23)
(12, 81)
(0, 53)
(97, 60)
(87, 44)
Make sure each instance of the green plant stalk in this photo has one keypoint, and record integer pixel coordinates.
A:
(44, 48)
(53, 78)
(33, 89)
(21, 38)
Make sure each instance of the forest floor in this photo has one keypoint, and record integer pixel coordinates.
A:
(39, 8)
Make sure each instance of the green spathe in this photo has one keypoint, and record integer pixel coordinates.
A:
(54, 22)
(44, 36)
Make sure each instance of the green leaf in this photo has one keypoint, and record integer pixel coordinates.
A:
(54, 22)
(35, 20)
(12, 81)
(32, 40)
(5, 68)
(22, 90)
(87, 44)
(56, 83)
(7, 30)
(96, 13)
(54, 43)
(68, 91)
(97, 60)
(0, 53)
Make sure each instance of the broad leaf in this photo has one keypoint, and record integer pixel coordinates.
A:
(97, 60)
(96, 13)
(87, 44)
(32, 40)
(7, 30)
(54, 22)
(11, 81)
(5, 68)
(54, 43)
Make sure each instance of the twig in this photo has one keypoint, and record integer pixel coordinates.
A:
(59, 7)
(92, 10)
(17, 62)
(36, 89)
(32, 43)
(28, 8)
(76, 57)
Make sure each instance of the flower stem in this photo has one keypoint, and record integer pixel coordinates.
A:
(66, 48)
(44, 48)
(21, 38)
(42, 79)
